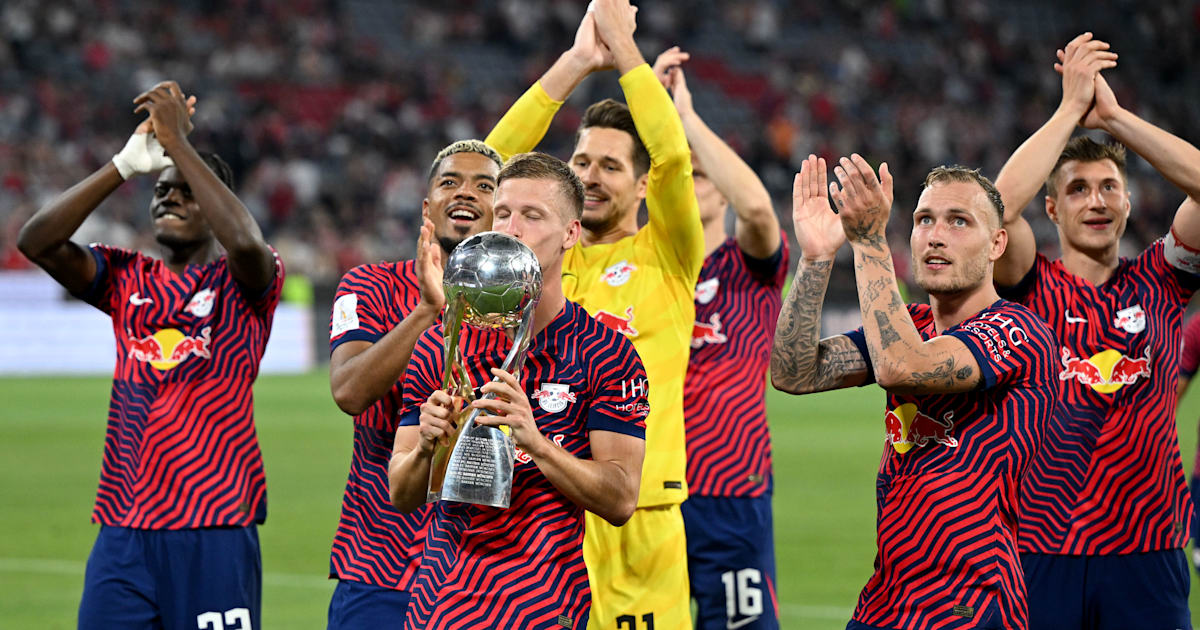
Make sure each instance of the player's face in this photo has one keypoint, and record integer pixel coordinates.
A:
(955, 239)
(460, 197)
(712, 203)
(531, 211)
(176, 217)
(1091, 206)
(603, 159)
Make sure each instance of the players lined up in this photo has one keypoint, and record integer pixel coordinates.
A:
(1073, 502)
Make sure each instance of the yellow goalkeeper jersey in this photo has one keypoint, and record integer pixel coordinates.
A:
(641, 285)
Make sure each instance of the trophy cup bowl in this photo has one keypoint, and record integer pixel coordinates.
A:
(491, 281)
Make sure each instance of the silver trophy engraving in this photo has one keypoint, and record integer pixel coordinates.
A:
(491, 280)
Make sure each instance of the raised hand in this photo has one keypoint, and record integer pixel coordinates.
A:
(588, 48)
(615, 21)
(864, 201)
(667, 60)
(1079, 64)
(429, 267)
(1104, 103)
(818, 230)
(169, 111)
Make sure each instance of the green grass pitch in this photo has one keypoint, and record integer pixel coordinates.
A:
(827, 448)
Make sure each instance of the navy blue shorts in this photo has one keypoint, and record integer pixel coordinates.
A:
(1127, 592)
(1196, 523)
(731, 562)
(358, 605)
(186, 579)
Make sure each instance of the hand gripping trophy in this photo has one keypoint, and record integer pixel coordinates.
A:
(491, 280)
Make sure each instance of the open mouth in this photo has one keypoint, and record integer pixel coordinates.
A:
(936, 262)
(463, 214)
(169, 215)
(593, 200)
(1098, 223)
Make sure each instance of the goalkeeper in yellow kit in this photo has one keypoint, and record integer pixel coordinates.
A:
(641, 283)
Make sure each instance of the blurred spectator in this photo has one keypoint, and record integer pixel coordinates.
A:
(330, 111)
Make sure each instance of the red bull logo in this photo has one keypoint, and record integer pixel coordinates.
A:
(907, 427)
(617, 274)
(623, 325)
(168, 347)
(703, 333)
(523, 458)
(1105, 371)
(554, 397)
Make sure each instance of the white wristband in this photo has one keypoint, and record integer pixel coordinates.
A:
(141, 154)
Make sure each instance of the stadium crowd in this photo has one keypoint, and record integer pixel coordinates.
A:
(327, 110)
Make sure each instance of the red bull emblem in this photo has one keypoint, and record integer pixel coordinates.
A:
(703, 333)
(1105, 371)
(623, 325)
(907, 427)
(201, 304)
(554, 397)
(618, 274)
(523, 458)
(707, 290)
(1132, 319)
(168, 347)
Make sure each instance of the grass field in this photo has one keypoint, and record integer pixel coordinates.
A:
(827, 448)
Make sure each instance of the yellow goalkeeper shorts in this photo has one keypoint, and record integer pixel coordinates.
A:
(638, 572)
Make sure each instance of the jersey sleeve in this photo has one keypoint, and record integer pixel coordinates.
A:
(1022, 291)
(265, 303)
(422, 377)
(524, 124)
(357, 309)
(1157, 260)
(1008, 344)
(110, 263)
(1190, 359)
(674, 213)
(620, 390)
(772, 270)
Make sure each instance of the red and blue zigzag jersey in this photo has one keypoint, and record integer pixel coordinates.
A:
(725, 414)
(374, 542)
(947, 489)
(522, 567)
(1110, 478)
(180, 451)
(1189, 362)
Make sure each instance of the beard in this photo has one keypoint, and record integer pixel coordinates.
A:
(448, 243)
(600, 222)
(968, 275)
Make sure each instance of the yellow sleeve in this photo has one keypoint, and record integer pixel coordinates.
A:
(670, 196)
(524, 124)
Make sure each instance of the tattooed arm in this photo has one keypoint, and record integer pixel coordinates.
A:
(801, 362)
(902, 360)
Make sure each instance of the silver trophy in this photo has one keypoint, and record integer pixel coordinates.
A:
(491, 280)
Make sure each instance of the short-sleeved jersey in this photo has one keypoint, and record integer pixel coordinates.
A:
(1110, 478)
(375, 543)
(728, 442)
(642, 285)
(948, 483)
(522, 567)
(1188, 363)
(180, 450)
